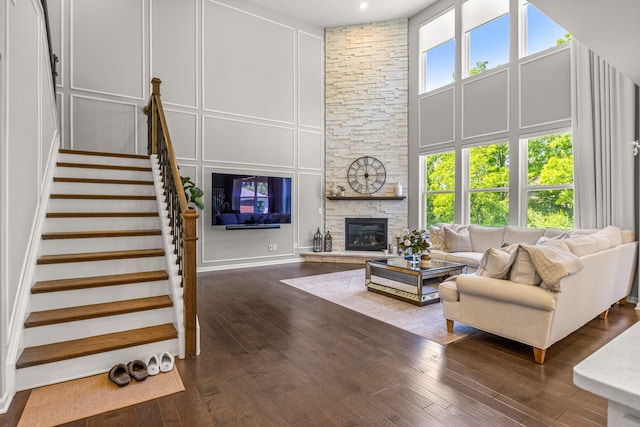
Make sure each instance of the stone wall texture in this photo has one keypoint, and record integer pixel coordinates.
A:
(366, 114)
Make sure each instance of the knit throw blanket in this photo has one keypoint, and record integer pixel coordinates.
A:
(552, 264)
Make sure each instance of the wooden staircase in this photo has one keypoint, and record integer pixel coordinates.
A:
(102, 293)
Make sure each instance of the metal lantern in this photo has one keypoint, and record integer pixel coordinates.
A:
(317, 241)
(328, 242)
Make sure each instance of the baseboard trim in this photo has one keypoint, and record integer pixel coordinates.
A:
(205, 269)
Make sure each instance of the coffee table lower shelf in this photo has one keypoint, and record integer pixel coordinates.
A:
(410, 297)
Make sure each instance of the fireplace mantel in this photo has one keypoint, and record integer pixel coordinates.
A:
(366, 197)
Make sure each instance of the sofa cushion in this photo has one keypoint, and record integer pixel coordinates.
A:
(522, 235)
(523, 271)
(586, 244)
(483, 238)
(611, 233)
(457, 240)
(470, 259)
(496, 262)
(436, 237)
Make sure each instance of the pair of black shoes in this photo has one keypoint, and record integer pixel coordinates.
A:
(121, 374)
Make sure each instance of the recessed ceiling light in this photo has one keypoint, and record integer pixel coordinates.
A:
(364, 5)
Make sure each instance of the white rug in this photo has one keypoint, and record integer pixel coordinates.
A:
(347, 288)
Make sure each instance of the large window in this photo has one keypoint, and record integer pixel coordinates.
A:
(439, 188)
(489, 184)
(549, 181)
(486, 32)
(437, 52)
(540, 32)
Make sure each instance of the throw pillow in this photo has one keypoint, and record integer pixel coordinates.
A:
(612, 233)
(495, 263)
(523, 271)
(436, 237)
(457, 241)
(483, 238)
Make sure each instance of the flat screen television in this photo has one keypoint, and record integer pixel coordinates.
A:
(250, 201)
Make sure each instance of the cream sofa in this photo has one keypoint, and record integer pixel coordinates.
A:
(539, 294)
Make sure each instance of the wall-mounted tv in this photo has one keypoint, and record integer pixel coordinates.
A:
(250, 201)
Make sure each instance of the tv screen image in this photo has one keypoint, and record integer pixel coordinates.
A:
(250, 200)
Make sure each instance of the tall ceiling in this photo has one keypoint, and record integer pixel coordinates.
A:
(335, 13)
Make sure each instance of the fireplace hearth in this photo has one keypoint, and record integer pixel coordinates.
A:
(365, 234)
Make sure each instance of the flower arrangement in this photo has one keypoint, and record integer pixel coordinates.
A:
(416, 240)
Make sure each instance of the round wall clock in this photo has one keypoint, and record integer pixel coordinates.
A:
(366, 175)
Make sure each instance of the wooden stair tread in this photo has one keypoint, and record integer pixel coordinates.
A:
(100, 166)
(90, 234)
(56, 352)
(59, 285)
(102, 153)
(92, 311)
(100, 214)
(101, 197)
(100, 256)
(103, 181)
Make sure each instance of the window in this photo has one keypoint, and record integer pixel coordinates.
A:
(486, 31)
(437, 52)
(549, 182)
(254, 197)
(540, 32)
(489, 184)
(439, 188)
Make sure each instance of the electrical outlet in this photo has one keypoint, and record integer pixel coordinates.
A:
(275, 246)
(270, 247)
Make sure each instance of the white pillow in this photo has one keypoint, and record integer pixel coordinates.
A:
(612, 233)
(436, 237)
(483, 238)
(495, 263)
(459, 241)
(523, 271)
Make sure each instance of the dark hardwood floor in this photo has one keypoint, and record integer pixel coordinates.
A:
(273, 355)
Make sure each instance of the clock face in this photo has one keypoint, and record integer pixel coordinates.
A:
(366, 175)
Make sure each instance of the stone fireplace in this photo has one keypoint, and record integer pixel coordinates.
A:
(365, 234)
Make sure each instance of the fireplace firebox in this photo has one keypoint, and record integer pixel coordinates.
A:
(365, 234)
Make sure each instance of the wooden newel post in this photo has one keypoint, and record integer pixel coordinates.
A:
(155, 93)
(189, 280)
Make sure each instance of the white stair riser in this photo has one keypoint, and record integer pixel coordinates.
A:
(54, 300)
(40, 375)
(102, 160)
(90, 327)
(94, 188)
(73, 205)
(98, 268)
(72, 172)
(102, 223)
(66, 246)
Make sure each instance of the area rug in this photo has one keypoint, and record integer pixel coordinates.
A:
(347, 288)
(82, 398)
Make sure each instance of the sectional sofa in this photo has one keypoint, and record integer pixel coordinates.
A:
(534, 286)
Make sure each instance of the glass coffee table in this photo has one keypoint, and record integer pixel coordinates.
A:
(414, 283)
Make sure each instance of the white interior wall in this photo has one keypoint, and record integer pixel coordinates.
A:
(28, 139)
(243, 91)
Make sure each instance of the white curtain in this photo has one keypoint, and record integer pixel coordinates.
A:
(604, 120)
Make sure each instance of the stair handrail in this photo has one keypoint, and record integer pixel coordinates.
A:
(182, 218)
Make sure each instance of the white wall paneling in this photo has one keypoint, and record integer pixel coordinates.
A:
(310, 80)
(310, 150)
(183, 128)
(107, 47)
(174, 50)
(437, 117)
(545, 89)
(235, 141)
(309, 206)
(100, 125)
(23, 63)
(250, 73)
(485, 104)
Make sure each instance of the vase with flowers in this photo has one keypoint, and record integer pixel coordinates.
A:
(415, 243)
